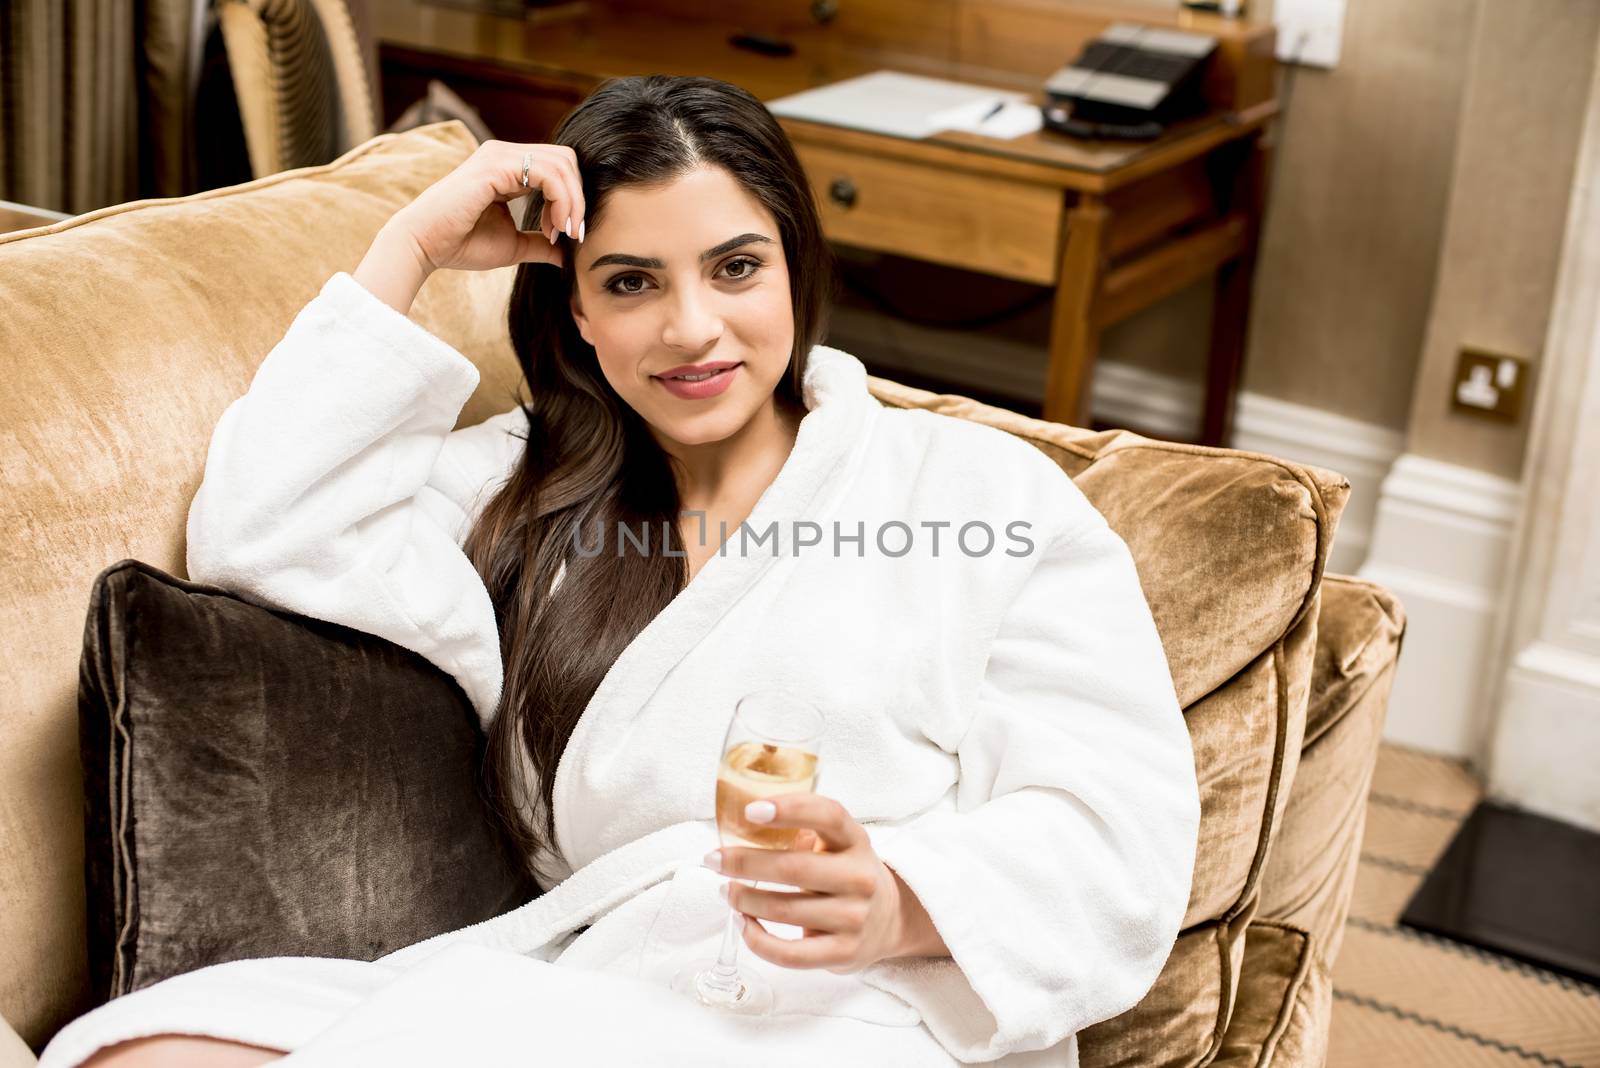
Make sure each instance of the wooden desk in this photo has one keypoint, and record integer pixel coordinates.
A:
(1112, 227)
(21, 217)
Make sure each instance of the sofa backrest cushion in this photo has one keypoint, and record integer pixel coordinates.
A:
(126, 333)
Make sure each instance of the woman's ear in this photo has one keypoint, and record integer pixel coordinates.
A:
(576, 306)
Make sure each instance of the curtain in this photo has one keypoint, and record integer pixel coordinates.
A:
(96, 101)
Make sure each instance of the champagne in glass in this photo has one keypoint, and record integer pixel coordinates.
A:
(771, 747)
(752, 771)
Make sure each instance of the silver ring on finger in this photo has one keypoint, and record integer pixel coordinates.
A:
(527, 162)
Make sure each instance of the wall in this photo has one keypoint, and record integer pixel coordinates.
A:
(1507, 209)
(1443, 531)
(1356, 213)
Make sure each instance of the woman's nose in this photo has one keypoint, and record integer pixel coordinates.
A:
(692, 322)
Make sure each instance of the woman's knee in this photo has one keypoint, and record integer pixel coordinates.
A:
(180, 1051)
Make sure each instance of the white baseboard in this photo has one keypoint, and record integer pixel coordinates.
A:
(1158, 404)
(1440, 543)
(1162, 405)
(1548, 734)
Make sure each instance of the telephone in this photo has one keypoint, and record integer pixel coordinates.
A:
(1129, 83)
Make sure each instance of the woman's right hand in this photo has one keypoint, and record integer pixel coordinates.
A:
(461, 222)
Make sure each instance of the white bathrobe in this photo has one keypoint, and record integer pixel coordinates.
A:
(1002, 722)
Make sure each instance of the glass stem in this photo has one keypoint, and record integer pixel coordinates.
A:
(726, 970)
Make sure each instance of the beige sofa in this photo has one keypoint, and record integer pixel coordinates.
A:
(128, 330)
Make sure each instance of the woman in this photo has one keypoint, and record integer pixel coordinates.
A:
(1007, 823)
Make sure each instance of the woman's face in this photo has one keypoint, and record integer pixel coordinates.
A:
(689, 274)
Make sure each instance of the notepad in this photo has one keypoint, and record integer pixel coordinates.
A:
(1015, 118)
(908, 105)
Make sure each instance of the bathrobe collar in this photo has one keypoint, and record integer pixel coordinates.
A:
(827, 450)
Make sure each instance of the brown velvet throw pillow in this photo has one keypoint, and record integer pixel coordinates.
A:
(259, 784)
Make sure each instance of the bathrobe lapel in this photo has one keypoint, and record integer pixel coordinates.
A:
(827, 449)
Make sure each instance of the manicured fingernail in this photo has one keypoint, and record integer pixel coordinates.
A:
(567, 229)
(760, 811)
(738, 920)
(713, 860)
(580, 230)
(722, 892)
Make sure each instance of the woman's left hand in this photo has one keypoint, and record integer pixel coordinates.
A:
(854, 910)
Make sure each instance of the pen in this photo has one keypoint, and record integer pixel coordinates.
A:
(992, 112)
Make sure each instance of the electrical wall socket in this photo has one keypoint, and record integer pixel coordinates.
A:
(1310, 32)
(1489, 384)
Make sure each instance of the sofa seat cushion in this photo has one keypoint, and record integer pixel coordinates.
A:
(1285, 1002)
(262, 784)
(1274, 1011)
(1311, 871)
(1178, 1023)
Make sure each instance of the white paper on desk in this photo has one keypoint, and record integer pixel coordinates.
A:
(1016, 118)
(889, 102)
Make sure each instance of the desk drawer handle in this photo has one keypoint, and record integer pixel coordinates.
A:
(843, 192)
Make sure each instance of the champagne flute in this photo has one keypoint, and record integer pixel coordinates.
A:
(771, 747)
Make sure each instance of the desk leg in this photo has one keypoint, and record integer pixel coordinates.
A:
(1074, 335)
(1230, 309)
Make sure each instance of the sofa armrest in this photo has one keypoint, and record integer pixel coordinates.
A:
(1310, 871)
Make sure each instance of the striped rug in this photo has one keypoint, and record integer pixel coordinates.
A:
(1405, 999)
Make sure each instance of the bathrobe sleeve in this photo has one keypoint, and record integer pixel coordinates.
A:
(336, 488)
(1060, 881)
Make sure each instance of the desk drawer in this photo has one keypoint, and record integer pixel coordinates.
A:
(994, 225)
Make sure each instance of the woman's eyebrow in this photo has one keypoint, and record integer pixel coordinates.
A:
(710, 253)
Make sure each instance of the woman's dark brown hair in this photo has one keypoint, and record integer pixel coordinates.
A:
(590, 460)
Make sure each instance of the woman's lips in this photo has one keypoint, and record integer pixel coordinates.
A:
(721, 373)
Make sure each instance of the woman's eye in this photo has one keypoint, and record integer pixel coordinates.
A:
(738, 270)
(616, 284)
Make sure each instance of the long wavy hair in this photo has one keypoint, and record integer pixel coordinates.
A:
(590, 460)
